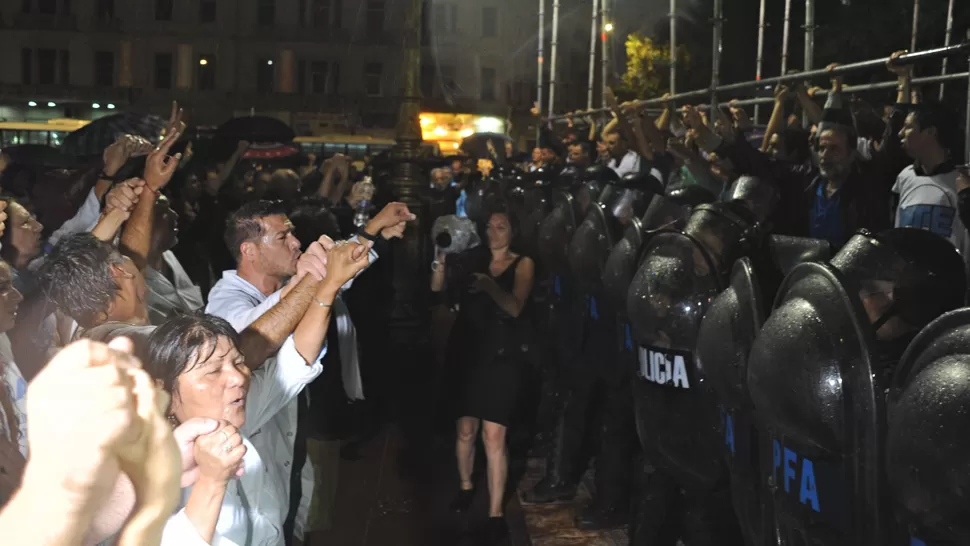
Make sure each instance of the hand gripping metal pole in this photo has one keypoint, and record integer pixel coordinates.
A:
(841, 70)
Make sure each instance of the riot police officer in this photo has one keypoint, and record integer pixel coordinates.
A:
(819, 371)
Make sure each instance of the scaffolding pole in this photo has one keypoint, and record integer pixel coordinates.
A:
(784, 39)
(605, 20)
(946, 43)
(761, 51)
(841, 70)
(809, 44)
(673, 46)
(592, 55)
(539, 59)
(716, 54)
(966, 122)
(554, 45)
(912, 40)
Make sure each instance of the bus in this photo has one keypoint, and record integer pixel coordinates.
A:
(50, 133)
(354, 146)
(357, 147)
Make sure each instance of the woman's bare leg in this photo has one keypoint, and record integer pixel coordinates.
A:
(498, 466)
(465, 450)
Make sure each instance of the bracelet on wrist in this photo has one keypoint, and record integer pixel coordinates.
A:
(364, 235)
(320, 303)
(105, 176)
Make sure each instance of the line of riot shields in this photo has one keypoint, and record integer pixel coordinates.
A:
(781, 393)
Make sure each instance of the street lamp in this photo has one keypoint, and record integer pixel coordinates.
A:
(51, 104)
(95, 106)
(31, 104)
(609, 27)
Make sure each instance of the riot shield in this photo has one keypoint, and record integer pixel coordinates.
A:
(822, 410)
(926, 444)
(622, 262)
(724, 342)
(617, 208)
(679, 276)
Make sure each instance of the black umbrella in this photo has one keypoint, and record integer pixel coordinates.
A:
(92, 139)
(255, 129)
(476, 145)
(38, 155)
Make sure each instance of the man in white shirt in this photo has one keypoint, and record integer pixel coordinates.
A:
(260, 237)
(170, 290)
(623, 160)
(928, 189)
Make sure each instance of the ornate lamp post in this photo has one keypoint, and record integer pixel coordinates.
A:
(410, 275)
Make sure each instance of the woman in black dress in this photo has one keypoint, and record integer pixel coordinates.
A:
(488, 335)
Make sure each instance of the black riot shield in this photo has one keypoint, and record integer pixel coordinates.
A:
(623, 260)
(816, 376)
(927, 447)
(618, 208)
(679, 276)
(724, 342)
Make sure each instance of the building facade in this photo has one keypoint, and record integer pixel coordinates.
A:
(313, 63)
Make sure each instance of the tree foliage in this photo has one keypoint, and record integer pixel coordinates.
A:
(647, 67)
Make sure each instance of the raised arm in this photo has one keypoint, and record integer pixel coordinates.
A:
(159, 168)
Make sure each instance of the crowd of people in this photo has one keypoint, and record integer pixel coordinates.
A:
(583, 329)
(185, 401)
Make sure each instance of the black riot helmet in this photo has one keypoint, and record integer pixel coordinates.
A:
(477, 188)
(818, 371)
(555, 230)
(678, 277)
(620, 204)
(532, 203)
(621, 265)
(926, 443)
(760, 196)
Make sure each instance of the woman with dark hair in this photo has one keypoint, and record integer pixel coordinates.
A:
(488, 334)
(197, 359)
(22, 239)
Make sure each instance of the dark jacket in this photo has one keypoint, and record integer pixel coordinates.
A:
(866, 196)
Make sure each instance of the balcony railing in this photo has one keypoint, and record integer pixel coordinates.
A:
(37, 21)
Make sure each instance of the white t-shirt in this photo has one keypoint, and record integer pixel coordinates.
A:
(930, 202)
(629, 164)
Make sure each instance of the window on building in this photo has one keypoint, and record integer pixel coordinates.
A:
(449, 79)
(373, 73)
(489, 22)
(106, 10)
(47, 7)
(488, 84)
(163, 10)
(26, 66)
(65, 71)
(163, 70)
(266, 13)
(446, 18)
(207, 72)
(265, 75)
(46, 66)
(325, 13)
(207, 11)
(324, 77)
(26, 6)
(104, 69)
(375, 16)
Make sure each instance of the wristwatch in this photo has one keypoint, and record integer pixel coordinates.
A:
(364, 235)
(435, 265)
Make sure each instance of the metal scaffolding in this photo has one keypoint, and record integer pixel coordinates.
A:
(592, 55)
(841, 70)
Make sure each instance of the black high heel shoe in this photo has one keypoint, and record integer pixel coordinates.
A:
(463, 500)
